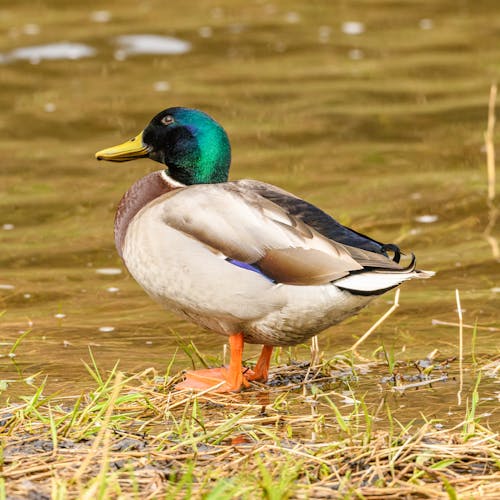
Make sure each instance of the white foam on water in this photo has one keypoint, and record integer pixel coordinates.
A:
(161, 86)
(426, 219)
(151, 44)
(109, 271)
(353, 28)
(205, 32)
(356, 54)
(100, 16)
(51, 51)
(426, 24)
(292, 17)
(324, 33)
(31, 29)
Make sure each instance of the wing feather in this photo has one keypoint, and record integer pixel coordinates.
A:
(242, 224)
(315, 217)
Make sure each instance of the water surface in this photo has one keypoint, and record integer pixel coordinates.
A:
(374, 111)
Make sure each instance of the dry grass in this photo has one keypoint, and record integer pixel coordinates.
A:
(137, 437)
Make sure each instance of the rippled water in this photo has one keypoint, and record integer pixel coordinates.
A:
(374, 111)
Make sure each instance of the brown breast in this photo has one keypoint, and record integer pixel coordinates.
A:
(139, 195)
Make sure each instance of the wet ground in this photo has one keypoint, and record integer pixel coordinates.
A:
(374, 111)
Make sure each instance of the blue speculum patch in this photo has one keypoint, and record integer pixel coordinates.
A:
(248, 267)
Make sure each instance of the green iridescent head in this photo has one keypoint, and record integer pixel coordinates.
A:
(193, 146)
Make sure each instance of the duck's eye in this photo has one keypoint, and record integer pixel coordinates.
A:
(167, 120)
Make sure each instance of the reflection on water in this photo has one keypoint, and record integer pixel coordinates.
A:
(51, 51)
(426, 219)
(373, 111)
(109, 271)
(131, 45)
(353, 28)
(489, 234)
(101, 16)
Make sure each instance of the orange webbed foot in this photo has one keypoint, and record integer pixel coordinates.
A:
(213, 380)
(228, 379)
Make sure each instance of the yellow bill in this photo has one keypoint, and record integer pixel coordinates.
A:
(129, 150)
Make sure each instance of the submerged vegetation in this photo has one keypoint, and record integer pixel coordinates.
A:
(313, 432)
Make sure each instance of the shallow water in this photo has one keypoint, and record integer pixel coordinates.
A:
(374, 111)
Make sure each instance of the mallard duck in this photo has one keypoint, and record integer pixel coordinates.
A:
(241, 258)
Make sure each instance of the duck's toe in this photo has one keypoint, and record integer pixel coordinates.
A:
(261, 371)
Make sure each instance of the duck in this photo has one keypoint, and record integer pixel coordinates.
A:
(241, 258)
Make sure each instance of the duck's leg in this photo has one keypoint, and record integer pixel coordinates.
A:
(261, 370)
(232, 376)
